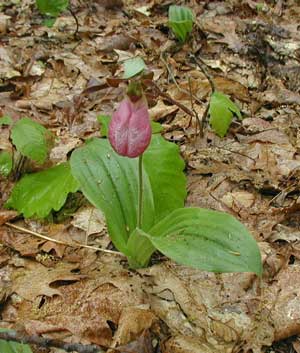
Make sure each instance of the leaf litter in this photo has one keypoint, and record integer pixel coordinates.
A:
(80, 295)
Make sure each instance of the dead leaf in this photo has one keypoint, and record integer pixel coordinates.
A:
(161, 110)
(89, 219)
(143, 344)
(35, 279)
(132, 323)
(7, 215)
(25, 244)
(269, 136)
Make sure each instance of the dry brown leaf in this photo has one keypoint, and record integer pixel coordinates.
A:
(142, 344)
(89, 219)
(161, 110)
(239, 199)
(186, 344)
(58, 233)
(7, 215)
(25, 244)
(35, 279)
(200, 87)
(269, 136)
(296, 345)
(132, 323)
(283, 301)
(90, 303)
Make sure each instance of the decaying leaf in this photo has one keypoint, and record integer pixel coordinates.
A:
(34, 280)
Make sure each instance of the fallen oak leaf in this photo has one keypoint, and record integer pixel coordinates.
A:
(36, 279)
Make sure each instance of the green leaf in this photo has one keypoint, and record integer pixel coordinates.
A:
(208, 240)
(6, 120)
(181, 21)
(110, 182)
(133, 67)
(13, 347)
(37, 194)
(49, 22)
(31, 139)
(139, 249)
(164, 167)
(6, 163)
(221, 110)
(104, 120)
(52, 7)
(156, 127)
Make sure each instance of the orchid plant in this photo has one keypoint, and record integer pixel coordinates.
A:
(136, 178)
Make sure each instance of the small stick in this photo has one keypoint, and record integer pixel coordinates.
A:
(196, 114)
(49, 342)
(76, 21)
(169, 98)
(201, 64)
(175, 81)
(38, 235)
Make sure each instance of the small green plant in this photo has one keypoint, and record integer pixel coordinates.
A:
(221, 110)
(52, 9)
(181, 20)
(36, 194)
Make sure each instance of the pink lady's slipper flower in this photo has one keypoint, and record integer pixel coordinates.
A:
(129, 131)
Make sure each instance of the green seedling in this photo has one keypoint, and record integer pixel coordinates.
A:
(221, 111)
(181, 20)
(52, 9)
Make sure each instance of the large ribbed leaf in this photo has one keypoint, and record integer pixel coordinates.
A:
(38, 193)
(208, 240)
(110, 182)
(181, 21)
(164, 167)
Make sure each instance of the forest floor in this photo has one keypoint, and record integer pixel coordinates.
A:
(251, 51)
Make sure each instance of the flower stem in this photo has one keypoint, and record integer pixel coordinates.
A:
(140, 200)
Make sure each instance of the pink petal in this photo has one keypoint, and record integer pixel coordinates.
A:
(129, 130)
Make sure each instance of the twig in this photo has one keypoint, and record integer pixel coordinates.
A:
(236, 152)
(76, 21)
(168, 97)
(38, 235)
(203, 120)
(196, 114)
(49, 342)
(180, 89)
(201, 64)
